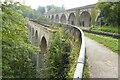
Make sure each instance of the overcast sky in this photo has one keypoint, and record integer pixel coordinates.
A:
(67, 3)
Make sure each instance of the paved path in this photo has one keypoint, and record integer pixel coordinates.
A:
(103, 63)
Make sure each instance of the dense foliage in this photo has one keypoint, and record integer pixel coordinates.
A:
(33, 14)
(73, 56)
(62, 55)
(94, 14)
(16, 48)
(28, 12)
(57, 58)
(111, 11)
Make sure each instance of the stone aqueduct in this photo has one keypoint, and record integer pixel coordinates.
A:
(39, 35)
(80, 16)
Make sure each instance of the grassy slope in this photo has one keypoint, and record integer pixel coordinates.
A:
(107, 41)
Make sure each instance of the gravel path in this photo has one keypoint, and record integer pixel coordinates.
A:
(103, 63)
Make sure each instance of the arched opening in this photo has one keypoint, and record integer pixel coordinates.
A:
(57, 18)
(49, 17)
(85, 19)
(32, 31)
(52, 18)
(43, 45)
(35, 43)
(63, 18)
(43, 52)
(36, 38)
(72, 19)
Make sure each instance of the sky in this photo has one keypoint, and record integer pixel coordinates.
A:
(68, 4)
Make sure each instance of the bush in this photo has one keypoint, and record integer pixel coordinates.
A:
(62, 56)
(57, 59)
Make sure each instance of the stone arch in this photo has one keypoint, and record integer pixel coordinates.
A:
(43, 45)
(49, 17)
(43, 52)
(63, 18)
(57, 18)
(52, 18)
(72, 19)
(85, 19)
(36, 38)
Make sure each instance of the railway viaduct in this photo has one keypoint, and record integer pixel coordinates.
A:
(80, 16)
(39, 35)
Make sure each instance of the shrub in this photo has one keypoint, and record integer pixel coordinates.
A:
(57, 59)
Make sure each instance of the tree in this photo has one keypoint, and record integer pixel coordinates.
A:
(111, 11)
(94, 14)
(52, 8)
(33, 14)
(27, 11)
(41, 9)
(16, 48)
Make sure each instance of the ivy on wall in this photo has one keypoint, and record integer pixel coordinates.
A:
(94, 14)
(77, 11)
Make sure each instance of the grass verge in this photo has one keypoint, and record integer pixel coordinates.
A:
(86, 69)
(105, 29)
(109, 42)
